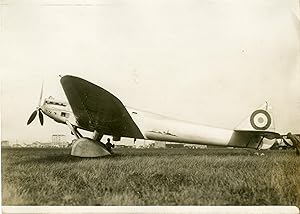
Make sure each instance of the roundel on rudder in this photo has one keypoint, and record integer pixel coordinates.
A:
(260, 120)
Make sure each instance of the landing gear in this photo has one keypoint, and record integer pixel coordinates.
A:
(73, 130)
(259, 144)
(258, 148)
(87, 147)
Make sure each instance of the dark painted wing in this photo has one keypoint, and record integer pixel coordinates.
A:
(97, 109)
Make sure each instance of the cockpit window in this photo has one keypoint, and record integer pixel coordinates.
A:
(64, 114)
(55, 103)
(60, 104)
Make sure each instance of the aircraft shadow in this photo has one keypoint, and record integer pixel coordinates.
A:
(63, 158)
(49, 158)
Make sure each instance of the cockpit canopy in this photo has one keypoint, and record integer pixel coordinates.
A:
(52, 101)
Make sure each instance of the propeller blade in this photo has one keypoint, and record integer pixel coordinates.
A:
(41, 117)
(31, 118)
(41, 95)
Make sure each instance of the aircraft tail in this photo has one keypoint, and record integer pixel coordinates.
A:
(256, 131)
(260, 120)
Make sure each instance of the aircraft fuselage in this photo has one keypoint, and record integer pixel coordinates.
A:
(158, 127)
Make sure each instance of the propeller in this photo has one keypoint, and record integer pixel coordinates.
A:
(38, 110)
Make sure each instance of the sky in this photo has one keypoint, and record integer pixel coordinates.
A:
(209, 62)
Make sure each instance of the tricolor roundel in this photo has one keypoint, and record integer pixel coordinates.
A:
(260, 120)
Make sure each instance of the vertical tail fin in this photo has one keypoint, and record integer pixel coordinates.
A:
(260, 120)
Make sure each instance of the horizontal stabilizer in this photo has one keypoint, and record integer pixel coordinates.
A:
(267, 134)
(252, 139)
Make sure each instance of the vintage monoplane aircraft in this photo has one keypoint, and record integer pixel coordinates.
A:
(94, 109)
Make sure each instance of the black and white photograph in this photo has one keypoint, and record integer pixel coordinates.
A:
(135, 106)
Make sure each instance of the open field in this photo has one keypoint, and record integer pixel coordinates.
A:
(33, 176)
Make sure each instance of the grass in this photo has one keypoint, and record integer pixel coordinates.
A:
(32, 176)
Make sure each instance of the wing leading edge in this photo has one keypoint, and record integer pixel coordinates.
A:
(97, 109)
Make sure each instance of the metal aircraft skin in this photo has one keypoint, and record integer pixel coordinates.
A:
(94, 109)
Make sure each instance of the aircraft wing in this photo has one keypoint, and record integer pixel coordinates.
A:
(97, 109)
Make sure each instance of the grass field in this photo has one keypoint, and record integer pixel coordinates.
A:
(32, 176)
